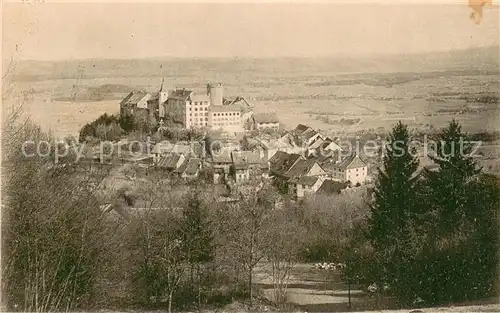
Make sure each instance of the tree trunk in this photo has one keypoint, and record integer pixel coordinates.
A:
(170, 301)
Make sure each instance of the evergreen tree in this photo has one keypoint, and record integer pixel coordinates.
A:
(448, 193)
(462, 250)
(394, 202)
(393, 211)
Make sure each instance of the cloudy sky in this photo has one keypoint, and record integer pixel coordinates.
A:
(48, 31)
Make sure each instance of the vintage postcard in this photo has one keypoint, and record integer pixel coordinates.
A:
(237, 156)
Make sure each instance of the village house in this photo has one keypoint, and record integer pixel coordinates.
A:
(351, 169)
(281, 162)
(263, 121)
(304, 177)
(135, 104)
(189, 169)
(221, 165)
(171, 161)
(324, 150)
(268, 146)
(248, 166)
(299, 187)
(194, 149)
(329, 187)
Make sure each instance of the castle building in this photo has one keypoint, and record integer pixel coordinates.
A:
(191, 109)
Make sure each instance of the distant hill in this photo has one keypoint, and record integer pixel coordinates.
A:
(477, 59)
(103, 92)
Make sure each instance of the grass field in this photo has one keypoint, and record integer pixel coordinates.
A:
(323, 107)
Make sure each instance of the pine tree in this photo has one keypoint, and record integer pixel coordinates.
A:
(392, 213)
(462, 255)
(448, 187)
(394, 202)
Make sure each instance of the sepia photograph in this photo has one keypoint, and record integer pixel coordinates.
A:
(250, 156)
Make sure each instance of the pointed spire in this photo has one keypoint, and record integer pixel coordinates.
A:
(162, 81)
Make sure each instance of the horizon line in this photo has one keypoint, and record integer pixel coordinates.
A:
(319, 56)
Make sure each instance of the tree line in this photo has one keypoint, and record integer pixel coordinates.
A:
(432, 235)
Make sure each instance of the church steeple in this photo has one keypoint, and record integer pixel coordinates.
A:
(162, 81)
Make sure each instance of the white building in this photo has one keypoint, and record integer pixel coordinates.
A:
(351, 169)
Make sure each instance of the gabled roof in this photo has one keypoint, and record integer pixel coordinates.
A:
(242, 159)
(301, 168)
(308, 134)
(243, 103)
(300, 129)
(154, 97)
(167, 147)
(224, 156)
(327, 158)
(317, 144)
(133, 98)
(352, 161)
(265, 118)
(180, 94)
(169, 161)
(281, 162)
(330, 187)
(127, 97)
(305, 180)
(189, 166)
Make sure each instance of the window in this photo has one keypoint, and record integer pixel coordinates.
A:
(206, 114)
(206, 118)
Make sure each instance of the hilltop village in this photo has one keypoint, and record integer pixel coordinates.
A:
(239, 147)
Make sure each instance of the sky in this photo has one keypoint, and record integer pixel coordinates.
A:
(62, 30)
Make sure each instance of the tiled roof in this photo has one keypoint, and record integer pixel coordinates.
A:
(305, 180)
(241, 102)
(300, 168)
(281, 162)
(224, 108)
(330, 186)
(127, 97)
(318, 143)
(133, 97)
(265, 118)
(189, 166)
(300, 129)
(167, 147)
(154, 97)
(180, 94)
(223, 156)
(308, 134)
(242, 159)
(350, 159)
(169, 161)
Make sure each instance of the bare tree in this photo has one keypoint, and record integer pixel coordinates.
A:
(248, 230)
(50, 227)
(283, 250)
